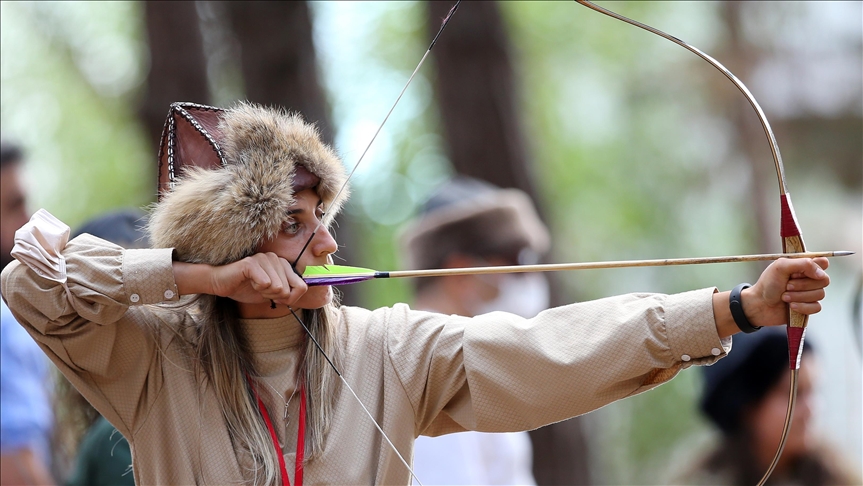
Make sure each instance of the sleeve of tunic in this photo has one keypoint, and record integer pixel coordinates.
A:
(96, 327)
(499, 372)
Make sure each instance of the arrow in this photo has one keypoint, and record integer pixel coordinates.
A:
(343, 275)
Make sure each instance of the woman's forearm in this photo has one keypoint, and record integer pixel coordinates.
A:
(193, 278)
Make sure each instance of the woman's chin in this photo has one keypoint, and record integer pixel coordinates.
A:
(316, 297)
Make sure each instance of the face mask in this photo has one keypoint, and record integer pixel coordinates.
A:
(524, 294)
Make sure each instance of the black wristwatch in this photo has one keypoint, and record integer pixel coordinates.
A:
(735, 303)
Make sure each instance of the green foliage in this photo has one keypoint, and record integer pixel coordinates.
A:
(69, 75)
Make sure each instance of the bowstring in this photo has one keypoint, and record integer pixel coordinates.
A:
(444, 23)
(335, 199)
(339, 374)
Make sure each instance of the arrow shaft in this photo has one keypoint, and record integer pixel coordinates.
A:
(554, 267)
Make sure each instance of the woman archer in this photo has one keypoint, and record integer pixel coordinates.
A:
(194, 352)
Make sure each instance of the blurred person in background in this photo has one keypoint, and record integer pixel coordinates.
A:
(470, 223)
(102, 454)
(25, 405)
(746, 397)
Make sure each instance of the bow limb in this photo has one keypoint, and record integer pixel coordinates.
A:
(792, 240)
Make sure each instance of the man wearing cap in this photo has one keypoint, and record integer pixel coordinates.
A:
(469, 223)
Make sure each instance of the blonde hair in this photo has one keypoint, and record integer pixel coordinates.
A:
(73, 417)
(220, 336)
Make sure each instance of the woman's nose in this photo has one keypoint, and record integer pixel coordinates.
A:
(324, 243)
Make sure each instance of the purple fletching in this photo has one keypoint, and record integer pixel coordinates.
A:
(337, 280)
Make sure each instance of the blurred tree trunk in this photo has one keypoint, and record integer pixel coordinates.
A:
(279, 66)
(478, 100)
(178, 67)
(477, 96)
(278, 58)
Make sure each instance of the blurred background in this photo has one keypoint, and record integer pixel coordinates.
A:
(631, 146)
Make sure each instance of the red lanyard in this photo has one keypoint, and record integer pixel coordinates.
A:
(301, 434)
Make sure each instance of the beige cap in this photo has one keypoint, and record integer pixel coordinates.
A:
(473, 217)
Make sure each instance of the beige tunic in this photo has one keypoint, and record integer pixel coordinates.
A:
(110, 331)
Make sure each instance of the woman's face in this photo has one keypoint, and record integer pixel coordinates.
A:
(305, 219)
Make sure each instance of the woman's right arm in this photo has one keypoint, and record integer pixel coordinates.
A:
(257, 279)
(93, 326)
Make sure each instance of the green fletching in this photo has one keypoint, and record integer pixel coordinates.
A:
(336, 271)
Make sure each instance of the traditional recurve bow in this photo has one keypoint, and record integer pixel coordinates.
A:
(792, 240)
(326, 219)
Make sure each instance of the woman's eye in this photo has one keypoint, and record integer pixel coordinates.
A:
(291, 228)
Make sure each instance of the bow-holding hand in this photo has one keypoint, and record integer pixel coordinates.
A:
(797, 284)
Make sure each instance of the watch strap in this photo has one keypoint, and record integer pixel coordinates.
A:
(735, 303)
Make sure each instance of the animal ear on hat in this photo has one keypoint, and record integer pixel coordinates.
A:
(191, 137)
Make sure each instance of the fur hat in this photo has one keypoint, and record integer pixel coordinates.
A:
(228, 177)
(473, 217)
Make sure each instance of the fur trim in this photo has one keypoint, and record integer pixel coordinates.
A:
(219, 216)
